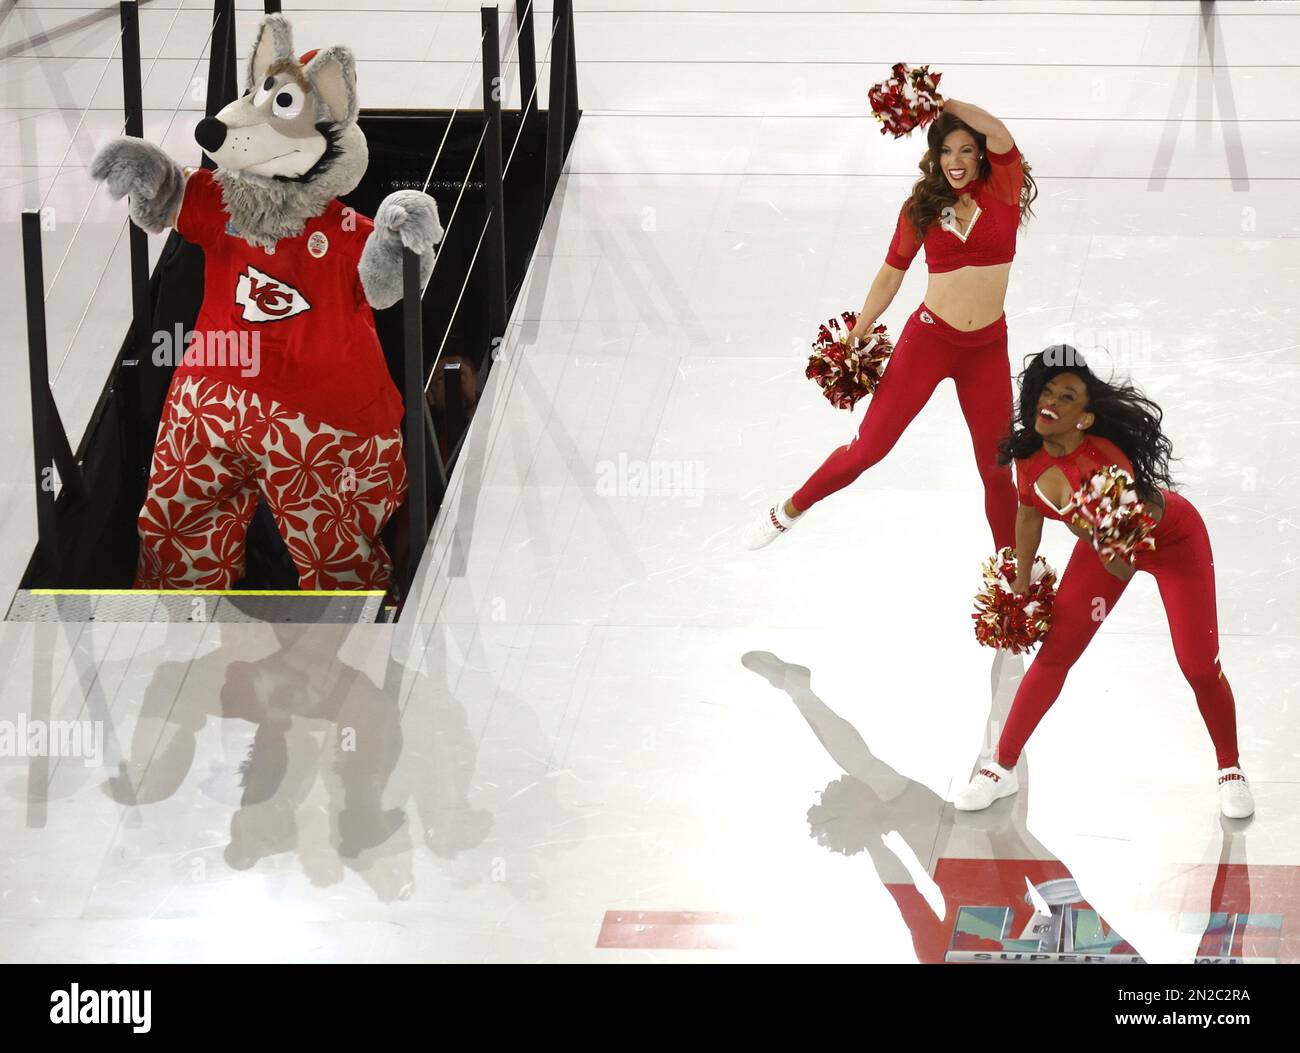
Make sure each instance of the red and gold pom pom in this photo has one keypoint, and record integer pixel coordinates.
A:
(848, 370)
(1009, 621)
(1107, 504)
(909, 98)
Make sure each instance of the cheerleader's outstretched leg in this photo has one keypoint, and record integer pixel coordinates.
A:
(1183, 566)
(920, 360)
(1085, 597)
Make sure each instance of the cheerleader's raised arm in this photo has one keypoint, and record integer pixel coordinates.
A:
(996, 136)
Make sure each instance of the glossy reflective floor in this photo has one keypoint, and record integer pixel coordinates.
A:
(604, 731)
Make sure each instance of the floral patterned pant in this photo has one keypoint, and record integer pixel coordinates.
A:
(219, 446)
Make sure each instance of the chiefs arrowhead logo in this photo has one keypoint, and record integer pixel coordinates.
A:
(267, 299)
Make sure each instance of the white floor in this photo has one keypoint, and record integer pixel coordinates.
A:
(589, 717)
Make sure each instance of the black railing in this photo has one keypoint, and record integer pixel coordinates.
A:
(493, 186)
(38, 359)
(223, 80)
(561, 120)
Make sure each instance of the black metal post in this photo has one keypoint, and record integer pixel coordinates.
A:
(417, 506)
(571, 92)
(230, 88)
(223, 81)
(440, 466)
(453, 394)
(527, 58)
(493, 190)
(556, 107)
(39, 365)
(69, 469)
(133, 103)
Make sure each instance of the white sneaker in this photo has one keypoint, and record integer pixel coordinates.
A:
(1235, 799)
(991, 783)
(767, 527)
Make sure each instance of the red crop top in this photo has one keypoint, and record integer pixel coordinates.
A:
(991, 236)
(1093, 453)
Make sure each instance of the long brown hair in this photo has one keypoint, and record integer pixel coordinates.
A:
(932, 193)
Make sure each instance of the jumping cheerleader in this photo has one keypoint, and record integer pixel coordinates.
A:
(1070, 423)
(973, 194)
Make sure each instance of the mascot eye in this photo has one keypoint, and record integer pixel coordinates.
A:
(264, 92)
(288, 103)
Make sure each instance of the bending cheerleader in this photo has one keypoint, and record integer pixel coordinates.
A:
(1070, 423)
(973, 194)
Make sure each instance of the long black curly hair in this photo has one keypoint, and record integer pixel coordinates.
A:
(1122, 414)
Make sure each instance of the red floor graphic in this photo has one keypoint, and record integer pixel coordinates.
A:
(1244, 913)
(671, 930)
(991, 916)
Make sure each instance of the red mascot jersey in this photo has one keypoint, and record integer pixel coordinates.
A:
(293, 324)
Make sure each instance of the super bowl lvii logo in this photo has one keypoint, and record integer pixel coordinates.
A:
(1055, 924)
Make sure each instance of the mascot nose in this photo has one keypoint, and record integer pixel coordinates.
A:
(210, 133)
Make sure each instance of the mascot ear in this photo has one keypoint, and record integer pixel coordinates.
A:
(333, 76)
(274, 44)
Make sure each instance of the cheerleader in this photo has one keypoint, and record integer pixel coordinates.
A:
(1070, 423)
(974, 193)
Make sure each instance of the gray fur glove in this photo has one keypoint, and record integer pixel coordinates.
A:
(153, 180)
(405, 218)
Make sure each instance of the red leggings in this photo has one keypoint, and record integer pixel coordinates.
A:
(928, 350)
(1183, 567)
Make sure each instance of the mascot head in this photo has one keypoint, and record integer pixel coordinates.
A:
(291, 141)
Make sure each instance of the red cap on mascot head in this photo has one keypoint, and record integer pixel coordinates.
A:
(307, 56)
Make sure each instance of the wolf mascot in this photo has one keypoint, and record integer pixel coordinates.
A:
(282, 390)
